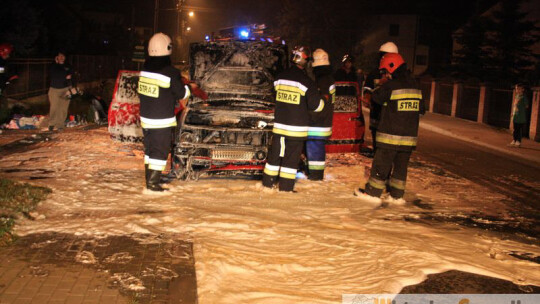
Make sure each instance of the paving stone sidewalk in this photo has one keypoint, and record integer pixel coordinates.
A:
(62, 268)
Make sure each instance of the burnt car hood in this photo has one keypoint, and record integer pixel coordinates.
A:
(237, 69)
(231, 113)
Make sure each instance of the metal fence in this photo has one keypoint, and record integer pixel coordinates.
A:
(499, 102)
(34, 72)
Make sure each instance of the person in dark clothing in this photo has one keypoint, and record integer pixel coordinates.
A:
(7, 75)
(401, 103)
(347, 72)
(296, 96)
(320, 126)
(60, 75)
(160, 87)
(374, 80)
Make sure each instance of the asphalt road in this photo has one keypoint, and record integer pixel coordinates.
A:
(499, 172)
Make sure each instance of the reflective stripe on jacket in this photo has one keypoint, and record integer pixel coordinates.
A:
(296, 96)
(159, 92)
(402, 104)
(320, 125)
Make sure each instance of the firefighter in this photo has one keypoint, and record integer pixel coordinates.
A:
(374, 80)
(160, 88)
(296, 96)
(6, 75)
(401, 105)
(320, 126)
(347, 72)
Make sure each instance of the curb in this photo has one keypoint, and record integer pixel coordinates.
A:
(441, 131)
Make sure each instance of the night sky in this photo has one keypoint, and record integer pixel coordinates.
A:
(46, 20)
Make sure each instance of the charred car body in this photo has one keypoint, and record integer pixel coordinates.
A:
(229, 132)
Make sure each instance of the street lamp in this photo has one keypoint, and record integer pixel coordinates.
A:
(191, 14)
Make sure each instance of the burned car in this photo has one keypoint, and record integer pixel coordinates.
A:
(229, 133)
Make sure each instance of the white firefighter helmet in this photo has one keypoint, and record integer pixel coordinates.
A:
(320, 57)
(389, 47)
(160, 45)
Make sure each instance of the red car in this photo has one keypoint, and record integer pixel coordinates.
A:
(124, 116)
(348, 126)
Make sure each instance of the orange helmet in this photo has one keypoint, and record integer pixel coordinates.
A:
(391, 62)
(5, 49)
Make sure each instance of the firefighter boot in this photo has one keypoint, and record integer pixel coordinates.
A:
(146, 173)
(152, 181)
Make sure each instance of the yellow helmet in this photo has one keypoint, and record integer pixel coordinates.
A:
(160, 45)
(320, 57)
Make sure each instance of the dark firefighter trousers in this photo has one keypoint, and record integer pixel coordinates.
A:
(386, 163)
(283, 160)
(316, 157)
(157, 145)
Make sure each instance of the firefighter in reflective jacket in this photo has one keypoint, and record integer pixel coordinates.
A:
(402, 104)
(296, 96)
(160, 87)
(320, 126)
(374, 80)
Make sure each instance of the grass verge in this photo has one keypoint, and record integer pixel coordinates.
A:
(17, 199)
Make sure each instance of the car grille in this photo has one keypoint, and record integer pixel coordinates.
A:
(228, 154)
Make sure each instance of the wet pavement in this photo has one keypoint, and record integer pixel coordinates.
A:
(62, 268)
(21, 142)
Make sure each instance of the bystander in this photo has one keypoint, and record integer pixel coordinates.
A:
(519, 114)
(60, 77)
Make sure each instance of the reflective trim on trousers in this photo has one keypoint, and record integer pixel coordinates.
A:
(288, 173)
(316, 165)
(396, 140)
(271, 170)
(156, 164)
(376, 183)
(398, 184)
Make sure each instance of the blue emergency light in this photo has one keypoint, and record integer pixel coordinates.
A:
(207, 38)
(244, 33)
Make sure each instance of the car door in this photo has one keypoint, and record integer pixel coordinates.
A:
(348, 125)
